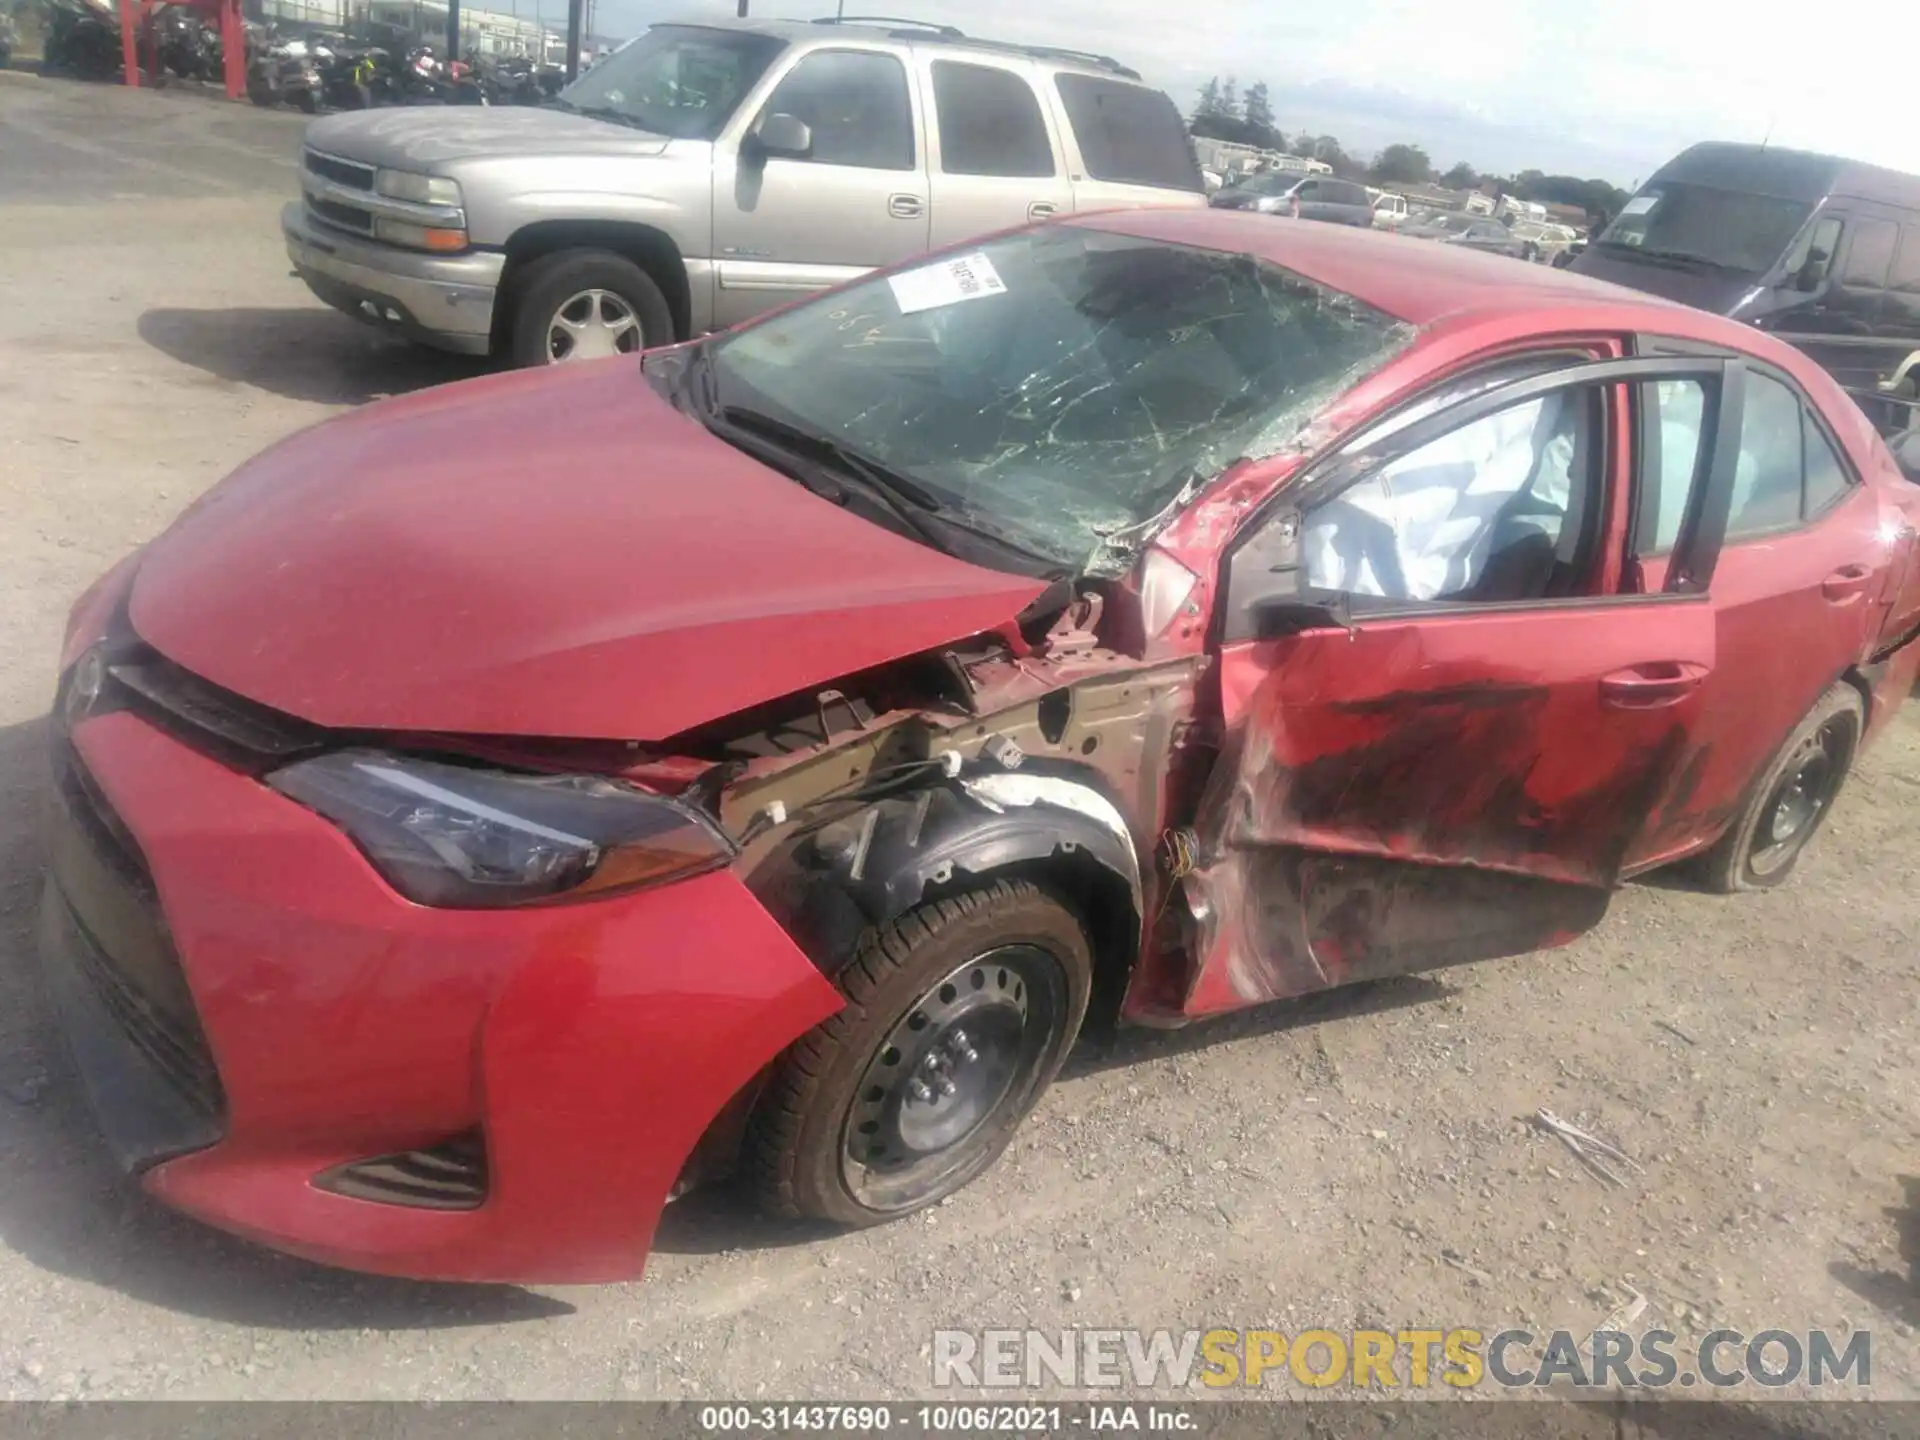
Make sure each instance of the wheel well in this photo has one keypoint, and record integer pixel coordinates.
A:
(1852, 676)
(651, 249)
(1104, 903)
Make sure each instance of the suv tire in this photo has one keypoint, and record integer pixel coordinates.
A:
(590, 288)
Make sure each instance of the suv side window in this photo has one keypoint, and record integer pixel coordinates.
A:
(1128, 134)
(990, 122)
(1500, 510)
(856, 103)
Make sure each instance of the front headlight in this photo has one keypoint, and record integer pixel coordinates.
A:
(420, 189)
(460, 838)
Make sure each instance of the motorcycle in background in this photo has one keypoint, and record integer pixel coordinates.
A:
(83, 39)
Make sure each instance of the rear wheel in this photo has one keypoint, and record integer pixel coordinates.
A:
(1792, 798)
(586, 305)
(958, 1015)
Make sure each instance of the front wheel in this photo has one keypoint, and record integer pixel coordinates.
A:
(958, 1016)
(1791, 799)
(586, 305)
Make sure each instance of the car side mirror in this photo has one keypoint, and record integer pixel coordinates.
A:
(779, 137)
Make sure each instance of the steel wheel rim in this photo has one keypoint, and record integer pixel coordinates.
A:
(963, 1059)
(1800, 798)
(592, 325)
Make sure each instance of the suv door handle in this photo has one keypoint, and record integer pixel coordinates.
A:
(906, 207)
(1042, 209)
(1651, 685)
(1845, 583)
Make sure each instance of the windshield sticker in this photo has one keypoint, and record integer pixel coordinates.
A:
(964, 277)
(1639, 205)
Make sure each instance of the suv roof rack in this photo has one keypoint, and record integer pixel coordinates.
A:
(949, 32)
(927, 29)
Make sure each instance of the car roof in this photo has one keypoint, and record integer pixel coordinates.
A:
(1412, 280)
(827, 30)
(1463, 293)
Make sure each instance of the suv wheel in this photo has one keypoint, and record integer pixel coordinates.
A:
(585, 305)
(958, 1015)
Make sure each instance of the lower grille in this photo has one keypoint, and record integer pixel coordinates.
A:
(177, 1052)
(124, 952)
(449, 1176)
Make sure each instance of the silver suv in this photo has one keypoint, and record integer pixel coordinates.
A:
(706, 172)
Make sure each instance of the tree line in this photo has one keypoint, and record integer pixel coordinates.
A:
(1225, 113)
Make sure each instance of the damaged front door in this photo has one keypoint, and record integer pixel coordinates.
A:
(1455, 767)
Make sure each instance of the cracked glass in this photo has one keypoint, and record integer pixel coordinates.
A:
(1072, 402)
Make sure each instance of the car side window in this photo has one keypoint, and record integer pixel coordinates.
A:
(1787, 471)
(990, 122)
(856, 103)
(1671, 436)
(1768, 478)
(1871, 254)
(1906, 263)
(1812, 258)
(1499, 510)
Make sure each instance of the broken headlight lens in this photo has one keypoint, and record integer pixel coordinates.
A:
(460, 838)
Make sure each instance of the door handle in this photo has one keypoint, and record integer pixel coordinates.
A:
(1649, 686)
(1042, 210)
(906, 207)
(1845, 583)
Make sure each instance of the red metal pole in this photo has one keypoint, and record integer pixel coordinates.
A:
(233, 45)
(129, 44)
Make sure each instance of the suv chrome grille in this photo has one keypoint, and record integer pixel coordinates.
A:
(350, 173)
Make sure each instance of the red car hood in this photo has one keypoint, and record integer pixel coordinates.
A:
(549, 553)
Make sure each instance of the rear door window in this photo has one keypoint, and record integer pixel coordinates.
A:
(1128, 134)
(990, 122)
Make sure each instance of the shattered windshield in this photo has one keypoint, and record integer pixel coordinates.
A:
(1062, 388)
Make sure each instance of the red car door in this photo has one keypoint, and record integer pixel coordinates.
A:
(1445, 727)
(1799, 589)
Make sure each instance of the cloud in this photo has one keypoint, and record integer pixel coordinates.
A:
(1610, 89)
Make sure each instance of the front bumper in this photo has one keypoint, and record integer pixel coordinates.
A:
(590, 1044)
(441, 300)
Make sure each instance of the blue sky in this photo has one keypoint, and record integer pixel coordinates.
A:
(1608, 89)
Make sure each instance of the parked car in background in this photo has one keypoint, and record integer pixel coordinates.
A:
(1472, 232)
(1541, 240)
(1315, 197)
(1822, 251)
(1389, 211)
(706, 172)
(493, 811)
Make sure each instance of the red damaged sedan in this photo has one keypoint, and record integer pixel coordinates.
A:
(487, 814)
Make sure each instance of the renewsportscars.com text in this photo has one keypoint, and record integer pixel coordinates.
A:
(1414, 1359)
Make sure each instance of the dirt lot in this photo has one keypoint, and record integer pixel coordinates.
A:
(1353, 1162)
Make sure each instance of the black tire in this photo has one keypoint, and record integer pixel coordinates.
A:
(1531, 253)
(1751, 855)
(800, 1151)
(550, 280)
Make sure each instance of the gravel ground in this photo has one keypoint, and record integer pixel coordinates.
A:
(1360, 1160)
